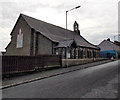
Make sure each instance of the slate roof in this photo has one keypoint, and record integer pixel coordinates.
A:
(106, 45)
(117, 43)
(56, 33)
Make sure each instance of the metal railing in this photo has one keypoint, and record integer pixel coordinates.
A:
(17, 64)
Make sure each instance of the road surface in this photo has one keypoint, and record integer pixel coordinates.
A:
(76, 84)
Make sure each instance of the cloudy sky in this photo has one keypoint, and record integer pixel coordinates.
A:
(97, 19)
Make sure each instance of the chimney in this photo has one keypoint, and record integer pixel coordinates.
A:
(76, 28)
(108, 39)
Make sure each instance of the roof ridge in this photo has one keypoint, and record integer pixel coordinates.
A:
(45, 22)
(113, 43)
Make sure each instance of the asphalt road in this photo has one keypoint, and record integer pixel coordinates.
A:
(70, 85)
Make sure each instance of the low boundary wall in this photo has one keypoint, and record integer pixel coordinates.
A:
(73, 62)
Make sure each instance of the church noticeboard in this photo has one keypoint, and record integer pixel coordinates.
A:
(19, 39)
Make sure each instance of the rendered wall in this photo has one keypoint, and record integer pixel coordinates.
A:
(25, 50)
(44, 46)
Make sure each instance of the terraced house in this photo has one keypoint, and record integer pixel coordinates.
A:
(33, 37)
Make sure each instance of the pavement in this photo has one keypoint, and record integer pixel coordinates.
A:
(14, 81)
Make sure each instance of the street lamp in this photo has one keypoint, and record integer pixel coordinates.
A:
(70, 10)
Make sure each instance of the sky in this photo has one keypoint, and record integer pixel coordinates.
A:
(97, 19)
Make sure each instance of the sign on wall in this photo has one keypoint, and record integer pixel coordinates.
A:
(19, 39)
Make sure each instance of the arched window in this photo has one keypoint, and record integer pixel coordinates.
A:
(19, 39)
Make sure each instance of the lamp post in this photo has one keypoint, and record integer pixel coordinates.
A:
(70, 10)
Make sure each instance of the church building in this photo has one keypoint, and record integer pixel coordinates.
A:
(32, 37)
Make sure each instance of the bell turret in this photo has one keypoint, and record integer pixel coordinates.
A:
(76, 27)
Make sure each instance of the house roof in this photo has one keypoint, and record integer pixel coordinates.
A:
(56, 33)
(106, 45)
(117, 43)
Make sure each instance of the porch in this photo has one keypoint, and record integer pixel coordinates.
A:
(69, 49)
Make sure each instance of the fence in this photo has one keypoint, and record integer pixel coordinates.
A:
(17, 64)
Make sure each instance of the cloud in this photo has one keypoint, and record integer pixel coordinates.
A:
(97, 18)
